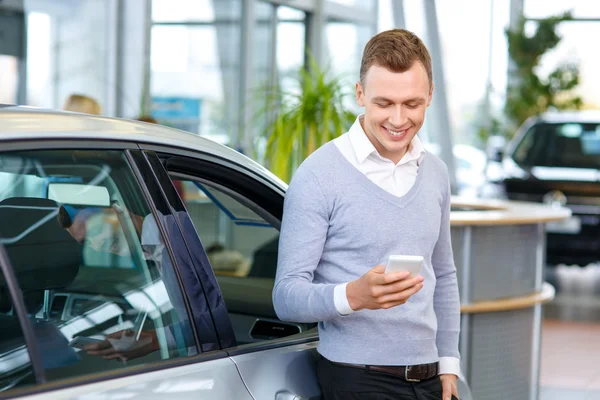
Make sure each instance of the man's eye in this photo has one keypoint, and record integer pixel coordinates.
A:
(412, 106)
(382, 105)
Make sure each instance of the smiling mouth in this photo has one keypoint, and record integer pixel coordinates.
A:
(396, 133)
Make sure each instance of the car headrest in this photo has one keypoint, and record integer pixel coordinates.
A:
(42, 253)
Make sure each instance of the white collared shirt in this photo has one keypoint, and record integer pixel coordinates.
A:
(396, 179)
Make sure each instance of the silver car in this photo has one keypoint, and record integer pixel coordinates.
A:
(137, 261)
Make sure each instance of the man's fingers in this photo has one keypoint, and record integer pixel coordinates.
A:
(393, 277)
(382, 290)
(400, 297)
(446, 390)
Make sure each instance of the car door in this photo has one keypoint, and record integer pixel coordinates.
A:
(237, 213)
(89, 250)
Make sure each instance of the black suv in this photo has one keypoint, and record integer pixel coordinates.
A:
(555, 159)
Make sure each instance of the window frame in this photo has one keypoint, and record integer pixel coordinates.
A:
(251, 205)
(204, 168)
(167, 193)
(42, 385)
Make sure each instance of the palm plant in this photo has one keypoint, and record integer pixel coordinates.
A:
(299, 122)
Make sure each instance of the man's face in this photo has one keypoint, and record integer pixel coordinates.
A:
(395, 105)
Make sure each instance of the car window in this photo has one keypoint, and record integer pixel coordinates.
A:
(15, 366)
(237, 240)
(241, 245)
(571, 145)
(89, 274)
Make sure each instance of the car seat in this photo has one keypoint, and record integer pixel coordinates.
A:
(43, 255)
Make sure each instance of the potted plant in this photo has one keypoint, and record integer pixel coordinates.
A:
(300, 121)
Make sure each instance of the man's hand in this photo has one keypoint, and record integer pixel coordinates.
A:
(376, 289)
(122, 345)
(449, 386)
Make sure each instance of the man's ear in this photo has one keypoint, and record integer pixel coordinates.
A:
(360, 95)
(430, 94)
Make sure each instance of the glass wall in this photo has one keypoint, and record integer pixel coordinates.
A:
(279, 54)
(577, 44)
(9, 76)
(67, 53)
(81, 36)
(366, 4)
(40, 53)
(291, 51)
(198, 65)
(475, 61)
(215, 61)
(345, 44)
(195, 65)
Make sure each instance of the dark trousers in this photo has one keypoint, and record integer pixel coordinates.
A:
(347, 383)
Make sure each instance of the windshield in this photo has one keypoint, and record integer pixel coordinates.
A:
(574, 145)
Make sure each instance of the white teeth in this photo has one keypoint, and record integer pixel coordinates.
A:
(394, 133)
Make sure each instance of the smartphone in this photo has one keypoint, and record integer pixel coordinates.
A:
(81, 341)
(398, 263)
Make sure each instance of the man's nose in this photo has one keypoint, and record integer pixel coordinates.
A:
(397, 117)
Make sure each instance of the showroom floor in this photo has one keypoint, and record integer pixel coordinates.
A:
(570, 362)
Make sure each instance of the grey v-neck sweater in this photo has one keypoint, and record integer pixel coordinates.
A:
(337, 225)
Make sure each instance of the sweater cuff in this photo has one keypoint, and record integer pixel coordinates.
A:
(341, 300)
(450, 365)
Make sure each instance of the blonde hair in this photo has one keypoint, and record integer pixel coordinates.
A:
(83, 104)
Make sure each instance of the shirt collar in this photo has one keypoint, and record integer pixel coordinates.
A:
(363, 148)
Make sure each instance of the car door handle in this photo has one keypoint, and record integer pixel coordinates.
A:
(286, 395)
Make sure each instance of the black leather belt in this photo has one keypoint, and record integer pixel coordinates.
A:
(410, 373)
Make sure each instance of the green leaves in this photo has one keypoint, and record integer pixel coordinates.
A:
(299, 122)
(530, 94)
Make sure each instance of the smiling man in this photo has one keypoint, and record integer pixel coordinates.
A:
(369, 194)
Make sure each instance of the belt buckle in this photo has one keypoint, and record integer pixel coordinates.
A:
(406, 378)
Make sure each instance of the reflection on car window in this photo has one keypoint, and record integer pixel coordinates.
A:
(237, 240)
(242, 249)
(570, 145)
(89, 274)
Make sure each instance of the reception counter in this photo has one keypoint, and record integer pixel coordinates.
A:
(499, 251)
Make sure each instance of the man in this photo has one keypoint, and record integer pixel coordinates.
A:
(369, 194)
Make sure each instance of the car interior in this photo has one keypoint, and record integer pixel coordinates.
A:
(242, 247)
(69, 288)
(72, 289)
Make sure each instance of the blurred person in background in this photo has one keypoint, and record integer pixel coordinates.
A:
(147, 118)
(82, 104)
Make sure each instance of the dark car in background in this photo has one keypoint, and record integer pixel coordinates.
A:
(555, 159)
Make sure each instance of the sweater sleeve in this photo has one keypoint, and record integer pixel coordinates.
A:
(446, 302)
(303, 234)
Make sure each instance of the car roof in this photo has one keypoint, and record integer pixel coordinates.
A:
(583, 116)
(29, 123)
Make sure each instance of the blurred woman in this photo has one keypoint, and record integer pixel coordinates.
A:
(83, 104)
